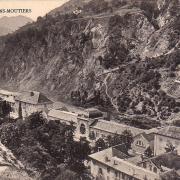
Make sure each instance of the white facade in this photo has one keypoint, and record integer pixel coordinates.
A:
(110, 167)
(28, 109)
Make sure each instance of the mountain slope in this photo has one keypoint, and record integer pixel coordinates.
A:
(122, 55)
(4, 31)
(11, 168)
(10, 24)
(69, 6)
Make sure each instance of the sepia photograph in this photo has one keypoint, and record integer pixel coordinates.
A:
(89, 89)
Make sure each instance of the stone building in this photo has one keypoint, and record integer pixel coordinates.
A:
(113, 164)
(31, 102)
(101, 128)
(91, 122)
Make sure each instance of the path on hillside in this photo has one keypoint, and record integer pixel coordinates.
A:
(120, 12)
(106, 90)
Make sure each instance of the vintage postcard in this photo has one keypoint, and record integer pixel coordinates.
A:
(89, 89)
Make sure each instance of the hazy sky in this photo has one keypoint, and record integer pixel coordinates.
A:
(38, 7)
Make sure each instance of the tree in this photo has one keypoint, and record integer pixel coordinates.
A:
(45, 145)
(6, 108)
(40, 19)
(66, 174)
(169, 147)
(170, 176)
(20, 111)
(35, 120)
(100, 145)
(114, 140)
(127, 138)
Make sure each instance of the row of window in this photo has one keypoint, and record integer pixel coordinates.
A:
(151, 168)
(118, 175)
(140, 143)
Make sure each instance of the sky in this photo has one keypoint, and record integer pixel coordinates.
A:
(38, 7)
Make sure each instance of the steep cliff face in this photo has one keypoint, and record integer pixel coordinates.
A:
(11, 168)
(167, 9)
(123, 55)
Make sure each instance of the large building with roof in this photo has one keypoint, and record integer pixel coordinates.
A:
(116, 164)
(167, 136)
(63, 116)
(91, 122)
(103, 128)
(113, 164)
(32, 101)
(167, 165)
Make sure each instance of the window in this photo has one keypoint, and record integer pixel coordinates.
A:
(82, 129)
(150, 167)
(123, 176)
(100, 171)
(108, 169)
(32, 93)
(140, 143)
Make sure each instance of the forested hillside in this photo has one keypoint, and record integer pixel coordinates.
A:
(119, 54)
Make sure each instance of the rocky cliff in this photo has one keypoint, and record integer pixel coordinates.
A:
(119, 54)
(11, 168)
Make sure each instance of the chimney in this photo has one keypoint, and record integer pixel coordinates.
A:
(107, 116)
(107, 159)
(32, 93)
(115, 163)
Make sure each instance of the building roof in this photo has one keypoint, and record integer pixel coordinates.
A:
(63, 115)
(135, 160)
(70, 108)
(153, 130)
(93, 113)
(33, 97)
(123, 163)
(9, 99)
(168, 160)
(170, 131)
(115, 128)
(8, 93)
(148, 137)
